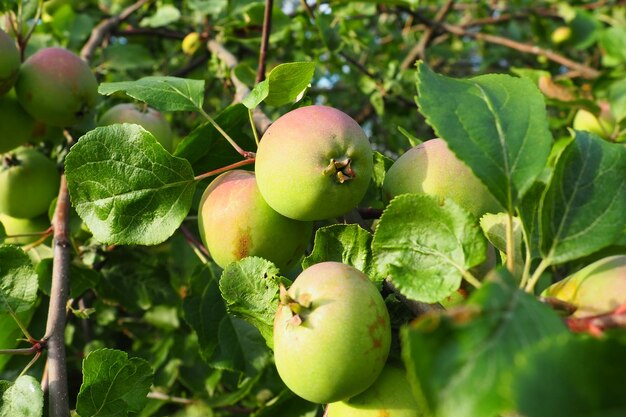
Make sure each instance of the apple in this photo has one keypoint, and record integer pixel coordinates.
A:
(236, 222)
(314, 163)
(16, 126)
(431, 168)
(561, 34)
(389, 396)
(29, 181)
(14, 226)
(57, 87)
(191, 43)
(598, 288)
(9, 62)
(147, 117)
(602, 125)
(331, 333)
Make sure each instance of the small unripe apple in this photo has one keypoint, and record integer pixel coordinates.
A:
(561, 34)
(235, 222)
(314, 163)
(57, 87)
(9, 62)
(389, 396)
(598, 288)
(431, 168)
(16, 126)
(14, 226)
(331, 333)
(147, 117)
(191, 43)
(29, 181)
(602, 125)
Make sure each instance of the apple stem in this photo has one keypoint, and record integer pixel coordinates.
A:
(224, 134)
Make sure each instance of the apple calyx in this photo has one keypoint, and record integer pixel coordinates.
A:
(299, 307)
(340, 169)
(10, 160)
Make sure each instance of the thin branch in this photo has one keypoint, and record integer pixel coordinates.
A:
(265, 36)
(192, 65)
(419, 50)
(189, 237)
(55, 326)
(105, 27)
(159, 32)
(155, 395)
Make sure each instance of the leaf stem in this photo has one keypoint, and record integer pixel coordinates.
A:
(510, 244)
(20, 351)
(527, 261)
(31, 363)
(543, 265)
(471, 279)
(230, 140)
(19, 323)
(252, 125)
(244, 162)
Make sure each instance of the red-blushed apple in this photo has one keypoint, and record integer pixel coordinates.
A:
(431, 168)
(598, 288)
(314, 163)
(29, 181)
(57, 87)
(9, 62)
(236, 222)
(331, 333)
(147, 117)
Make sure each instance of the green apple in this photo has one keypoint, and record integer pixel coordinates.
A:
(191, 43)
(56, 87)
(29, 181)
(561, 34)
(596, 289)
(236, 222)
(602, 125)
(331, 333)
(389, 396)
(147, 117)
(314, 163)
(431, 168)
(16, 126)
(9, 62)
(14, 226)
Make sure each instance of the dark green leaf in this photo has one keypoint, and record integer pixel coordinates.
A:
(349, 244)
(425, 246)
(584, 205)
(113, 385)
(23, 398)
(162, 93)
(18, 280)
(459, 362)
(126, 187)
(496, 124)
(83, 278)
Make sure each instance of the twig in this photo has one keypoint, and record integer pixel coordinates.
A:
(159, 32)
(55, 326)
(419, 50)
(155, 395)
(192, 65)
(224, 169)
(265, 36)
(105, 27)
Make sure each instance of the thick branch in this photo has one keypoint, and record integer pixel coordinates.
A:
(267, 29)
(55, 326)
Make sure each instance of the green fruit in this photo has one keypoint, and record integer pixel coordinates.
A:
(29, 181)
(389, 396)
(598, 288)
(236, 222)
(331, 333)
(148, 118)
(16, 126)
(14, 227)
(602, 125)
(9, 62)
(57, 87)
(431, 168)
(561, 34)
(314, 163)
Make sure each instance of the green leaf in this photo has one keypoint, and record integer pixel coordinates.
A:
(23, 398)
(250, 288)
(570, 375)
(162, 93)
(164, 16)
(113, 385)
(10, 332)
(126, 187)
(617, 99)
(496, 124)
(346, 243)
(83, 278)
(3, 233)
(288, 81)
(494, 228)
(374, 194)
(257, 95)
(584, 205)
(425, 246)
(460, 362)
(18, 280)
